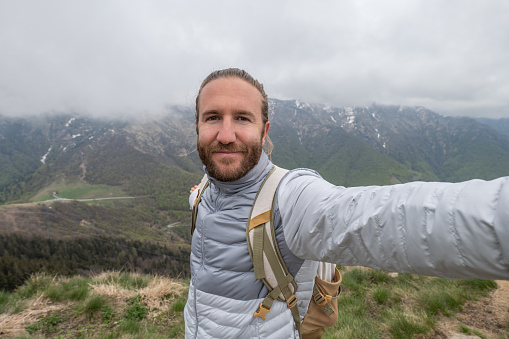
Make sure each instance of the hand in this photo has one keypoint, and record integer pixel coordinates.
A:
(193, 188)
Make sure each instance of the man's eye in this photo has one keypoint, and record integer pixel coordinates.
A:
(211, 118)
(243, 119)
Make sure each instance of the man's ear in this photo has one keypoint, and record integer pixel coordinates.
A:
(265, 131)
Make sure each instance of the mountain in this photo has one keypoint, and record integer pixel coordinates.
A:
(347, 145)
(54, 158)
(377, 142)
(35, 152)
(127, 181)
(501, 125)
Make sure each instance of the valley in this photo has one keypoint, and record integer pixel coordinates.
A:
(84, 198)
(65, 178)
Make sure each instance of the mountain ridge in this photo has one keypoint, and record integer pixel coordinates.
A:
(154, 162)
(412, 143)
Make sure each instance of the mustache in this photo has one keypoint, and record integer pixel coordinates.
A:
(228, 148)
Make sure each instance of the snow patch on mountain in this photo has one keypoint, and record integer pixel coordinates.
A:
(43, 159)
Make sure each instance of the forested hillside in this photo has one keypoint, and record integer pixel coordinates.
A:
(501, 125)
(22, 256)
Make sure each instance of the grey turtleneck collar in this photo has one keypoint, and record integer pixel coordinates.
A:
(263, 166)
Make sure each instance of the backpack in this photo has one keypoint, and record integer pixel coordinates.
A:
(271, 269)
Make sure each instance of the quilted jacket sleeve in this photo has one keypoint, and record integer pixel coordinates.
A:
(451, 230)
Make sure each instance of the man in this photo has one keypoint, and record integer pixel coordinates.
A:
(441, 229)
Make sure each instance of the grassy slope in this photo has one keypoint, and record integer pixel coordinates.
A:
(60, 220)
(77, 189)
(376, 304)
(111, 305)
(339, 157)
(373, 304)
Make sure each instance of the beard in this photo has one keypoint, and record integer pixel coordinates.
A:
(251, 154)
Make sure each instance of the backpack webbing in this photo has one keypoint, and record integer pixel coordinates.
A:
(267, 261)
(204, 183)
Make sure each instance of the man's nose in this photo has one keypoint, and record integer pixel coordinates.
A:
(226, 134)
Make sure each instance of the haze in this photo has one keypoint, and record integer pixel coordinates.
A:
(122, 58)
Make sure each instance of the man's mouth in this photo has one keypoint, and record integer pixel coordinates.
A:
(228, 154)
(227, 151)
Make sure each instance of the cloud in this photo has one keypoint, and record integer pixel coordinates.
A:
(127, 57)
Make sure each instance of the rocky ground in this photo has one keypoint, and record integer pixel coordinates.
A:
(488, 316)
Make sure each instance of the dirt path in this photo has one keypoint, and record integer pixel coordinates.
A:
(488, 316)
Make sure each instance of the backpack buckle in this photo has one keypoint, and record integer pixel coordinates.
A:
(262, 312)
(320, 299)
(292, 301)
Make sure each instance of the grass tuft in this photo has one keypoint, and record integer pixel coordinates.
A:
(479, 285)
(381, 295)
(93, 305)
(130, 326)
(35, 286)
(379, 277)
(404, 327)
(466, 330)
(74, 291)
(178, 305)
(129, 281)
(4, 301)
(441, 302)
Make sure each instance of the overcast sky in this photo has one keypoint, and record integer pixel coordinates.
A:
(134, 57)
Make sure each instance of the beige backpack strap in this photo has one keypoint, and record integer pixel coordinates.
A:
(262, 214)
(201, 188)
(267, 260)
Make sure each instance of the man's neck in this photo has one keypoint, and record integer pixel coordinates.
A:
(251, 177)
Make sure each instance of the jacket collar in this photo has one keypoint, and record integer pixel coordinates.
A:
(260, 170)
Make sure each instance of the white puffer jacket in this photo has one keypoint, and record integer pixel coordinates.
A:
(441, 229)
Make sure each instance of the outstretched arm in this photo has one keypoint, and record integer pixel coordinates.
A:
(449, 230)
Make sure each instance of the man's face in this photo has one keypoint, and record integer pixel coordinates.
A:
(230, 128)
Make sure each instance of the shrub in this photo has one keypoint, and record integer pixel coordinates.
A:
(93, 305)
(136, 309)
(47, 324)
(107, 314)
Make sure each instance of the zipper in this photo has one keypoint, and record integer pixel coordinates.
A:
(202, 246)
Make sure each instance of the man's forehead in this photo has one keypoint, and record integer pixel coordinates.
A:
(231, 91)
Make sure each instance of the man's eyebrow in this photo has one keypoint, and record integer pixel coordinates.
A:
(238, 112)
(248, 113)
(209, 112)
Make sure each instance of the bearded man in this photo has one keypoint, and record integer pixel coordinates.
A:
(458, 230)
